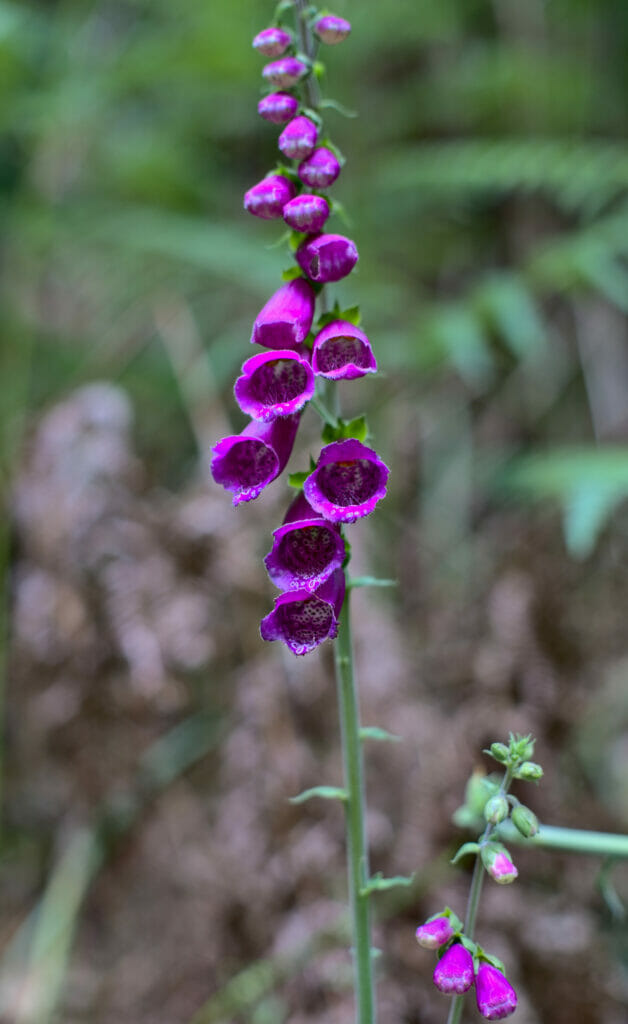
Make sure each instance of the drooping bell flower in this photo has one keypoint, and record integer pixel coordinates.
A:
(327, 257)
(284, 73)
(497, 862)
(298, 138)
(496, 998)
(276, 383)
(342, 352)
(268, 198)
(453, 973)
(246, 463)
(434, 933)
(347, 483)
(272, 41)
(286, 319)
(331, 30)
(302, 619)
(320, 169)
(306, 213)
(278, 107)
(306, 550)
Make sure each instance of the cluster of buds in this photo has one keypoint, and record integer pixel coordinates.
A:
(462, 964)
(308, 555)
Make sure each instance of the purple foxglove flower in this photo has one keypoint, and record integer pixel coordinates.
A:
(454, 971)
(497, 862)
(276, 383)
(434, 933)
(495, 995)
(342, 352)
(320, 169)
(268, 198)
(284, 73)
(306, 213)
(272, 41)
(347, 483)
(246, 463)
(278, 107)
(298, 138)
(327, 257)
(331, 29)
(286, 319)
(303, 619)
(306, 550)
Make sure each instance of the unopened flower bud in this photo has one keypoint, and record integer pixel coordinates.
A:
(500, 752)
(497, 862)
(306, 213)
(278, 107)
(272, 41)
(327, 257)
(284, 73)
(530, 771)
(496, 809)
(496, 998)
(454, 971)
(320, 169)
(298, 138)
(525, 821)
(434, 933)
(268, 198)
(331, 29)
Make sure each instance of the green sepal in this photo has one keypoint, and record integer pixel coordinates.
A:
(373, 732)
(295, 238)
(297, 480)
(319, 69)
(324, 792)
(347, 557)
(338, 107)
(499, 751)
(370, 581)
(481, 954)
(287, 172)
(356, 429)
(351, 315)
(313, 116)
(380, 884)
(291, 274)
(282, 240)
(468, 944)
(463, 851)
(340, 157)
(303, 57)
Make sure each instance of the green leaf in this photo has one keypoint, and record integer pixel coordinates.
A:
(297, 480)
(465, 849)
(465, 344)
(324, 792)
(351, 315)
(380, 884)
(370, 581)
(339, 107)
(357, 428)
(373, 732)
(291, 274)
(586, 511)
(508, 306)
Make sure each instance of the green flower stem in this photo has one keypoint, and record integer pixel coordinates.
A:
(575, 840)
(357, 850)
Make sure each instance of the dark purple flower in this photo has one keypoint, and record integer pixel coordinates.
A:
(284, 73)
(327, 257)
(286, 319)
(268, 198)
(347, 483)
(278, 107)
(331, 29)
(246, 463)
(298, 138)
(342, 352)
(434, 933)
(306, 213)
(272, 41)
(495, 995)
(454, 971)
(306, 550)
(303, 619)
(273, 384)
(320, 169)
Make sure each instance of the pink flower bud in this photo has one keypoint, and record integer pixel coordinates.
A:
(268, 198)
(497, 862)
(327, 257)
(434, 933)
(306, 213)
(298, 138)
(278, 107)
(331, 29)
(284, 73)
(454, 971)
(496, 998)
(272, 41)
(320, 169)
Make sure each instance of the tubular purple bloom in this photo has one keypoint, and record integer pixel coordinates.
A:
(497, 862)
(278, 107)
(268, 198)
(276, 383)
(320, 169)
(330, 29)
(347, 483)
(342, 352)
(434, 933)
(496, 998)
(272, 41)
(298, 138)
(453, 973)
(306, 550)
(284, 73)
(327, 257)
(286, 319)
(246, 463)
(302, 619)
(306, 213)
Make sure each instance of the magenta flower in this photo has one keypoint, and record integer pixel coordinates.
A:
(347, 483)
(497, 862)
(284, 73)
(331, 29)
(434, 933)
(268, 198)
(302, 619)
(286, 319)
(298, 138)
(306, 550)
(454, 971)
(496, 998)
(306, 213)
(320, 169)
(278, 107)
(276, 383)
(327, 257)
(342, 352)
(246, 463)
(272, 41)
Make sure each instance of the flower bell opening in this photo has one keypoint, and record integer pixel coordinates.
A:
(342, 352)
(306, 550)
(246, 463)
(347, 483)
(272, 384)
(302, 620)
